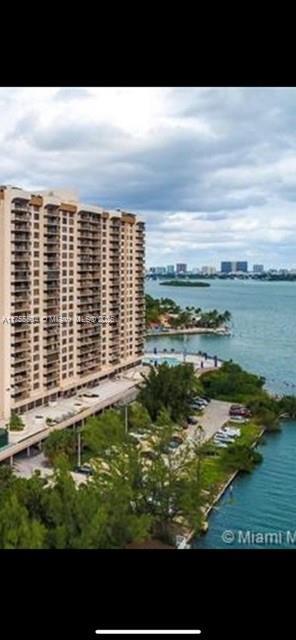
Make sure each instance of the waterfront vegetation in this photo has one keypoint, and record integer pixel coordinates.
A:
(166, 313)
(232, 383)
(139, 486)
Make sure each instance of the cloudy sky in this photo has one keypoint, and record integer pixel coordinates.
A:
(213, 171)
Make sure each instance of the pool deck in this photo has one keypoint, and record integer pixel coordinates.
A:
(200, 362)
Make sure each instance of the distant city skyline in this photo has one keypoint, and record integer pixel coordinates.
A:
(236, 266)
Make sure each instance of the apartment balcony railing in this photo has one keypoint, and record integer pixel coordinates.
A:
(20, 347)
(20, 211)
(88, 361)
(19, 275)
(20, 328)
(24, 258)
(18, 234)
(18, 395)
(52, 346)
(51, 368)
(24, 366)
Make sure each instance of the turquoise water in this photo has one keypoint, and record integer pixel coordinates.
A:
(263, 341)
(261, 502)
(264, 327)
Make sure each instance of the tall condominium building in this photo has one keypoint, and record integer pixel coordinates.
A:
(170, 269)
(71, 295)
(242, 266)
(226, 267)
(233, 267)
(208, 270)
(258, 268)
(181, 268)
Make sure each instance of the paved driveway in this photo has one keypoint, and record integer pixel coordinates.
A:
(212, 419)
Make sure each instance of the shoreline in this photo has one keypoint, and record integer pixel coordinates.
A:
(220, 494)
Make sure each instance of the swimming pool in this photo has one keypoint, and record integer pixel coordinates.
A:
(170, 361)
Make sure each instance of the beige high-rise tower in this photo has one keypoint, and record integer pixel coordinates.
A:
(71, 295)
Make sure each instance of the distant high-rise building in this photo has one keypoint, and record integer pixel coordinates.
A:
(234, 267)
(258, 268)
(226, 267)
(242, 266)
(181, 267)
(170, 269)
(208, 270)
(160, 271)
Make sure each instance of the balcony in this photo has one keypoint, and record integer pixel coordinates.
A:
(18, 368)
(25, 258)
(51, 368)
(20, 346)
(18, 395)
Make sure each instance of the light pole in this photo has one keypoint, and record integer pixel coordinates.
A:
(79, 445)
(79, 449)
(125, 406)
(184, 347)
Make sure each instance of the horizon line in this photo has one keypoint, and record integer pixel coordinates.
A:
(148, 631)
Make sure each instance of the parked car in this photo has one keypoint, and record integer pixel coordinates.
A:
(86, 469)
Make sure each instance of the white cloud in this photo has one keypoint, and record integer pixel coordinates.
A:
(212, 170)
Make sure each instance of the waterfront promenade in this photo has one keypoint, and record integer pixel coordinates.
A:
(200, 361)
(220, 331)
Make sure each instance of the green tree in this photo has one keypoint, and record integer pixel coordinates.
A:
(61, 442)
(138, 417)
(287, 404)
(240, 457)
(16, 422)
(104, 431)
(172, 388)
(17, 529)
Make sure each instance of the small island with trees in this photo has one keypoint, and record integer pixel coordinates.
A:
(165, 316)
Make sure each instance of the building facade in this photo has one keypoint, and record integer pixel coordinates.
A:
(208, 270)
(181, 268)
(234, 267)
(258, 268)
(226, 267)
(242, 266)
(72, 295)
(170, 269)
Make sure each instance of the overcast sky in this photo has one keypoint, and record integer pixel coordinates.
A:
(213, 171)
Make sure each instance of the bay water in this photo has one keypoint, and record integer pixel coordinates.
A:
(261, 507)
